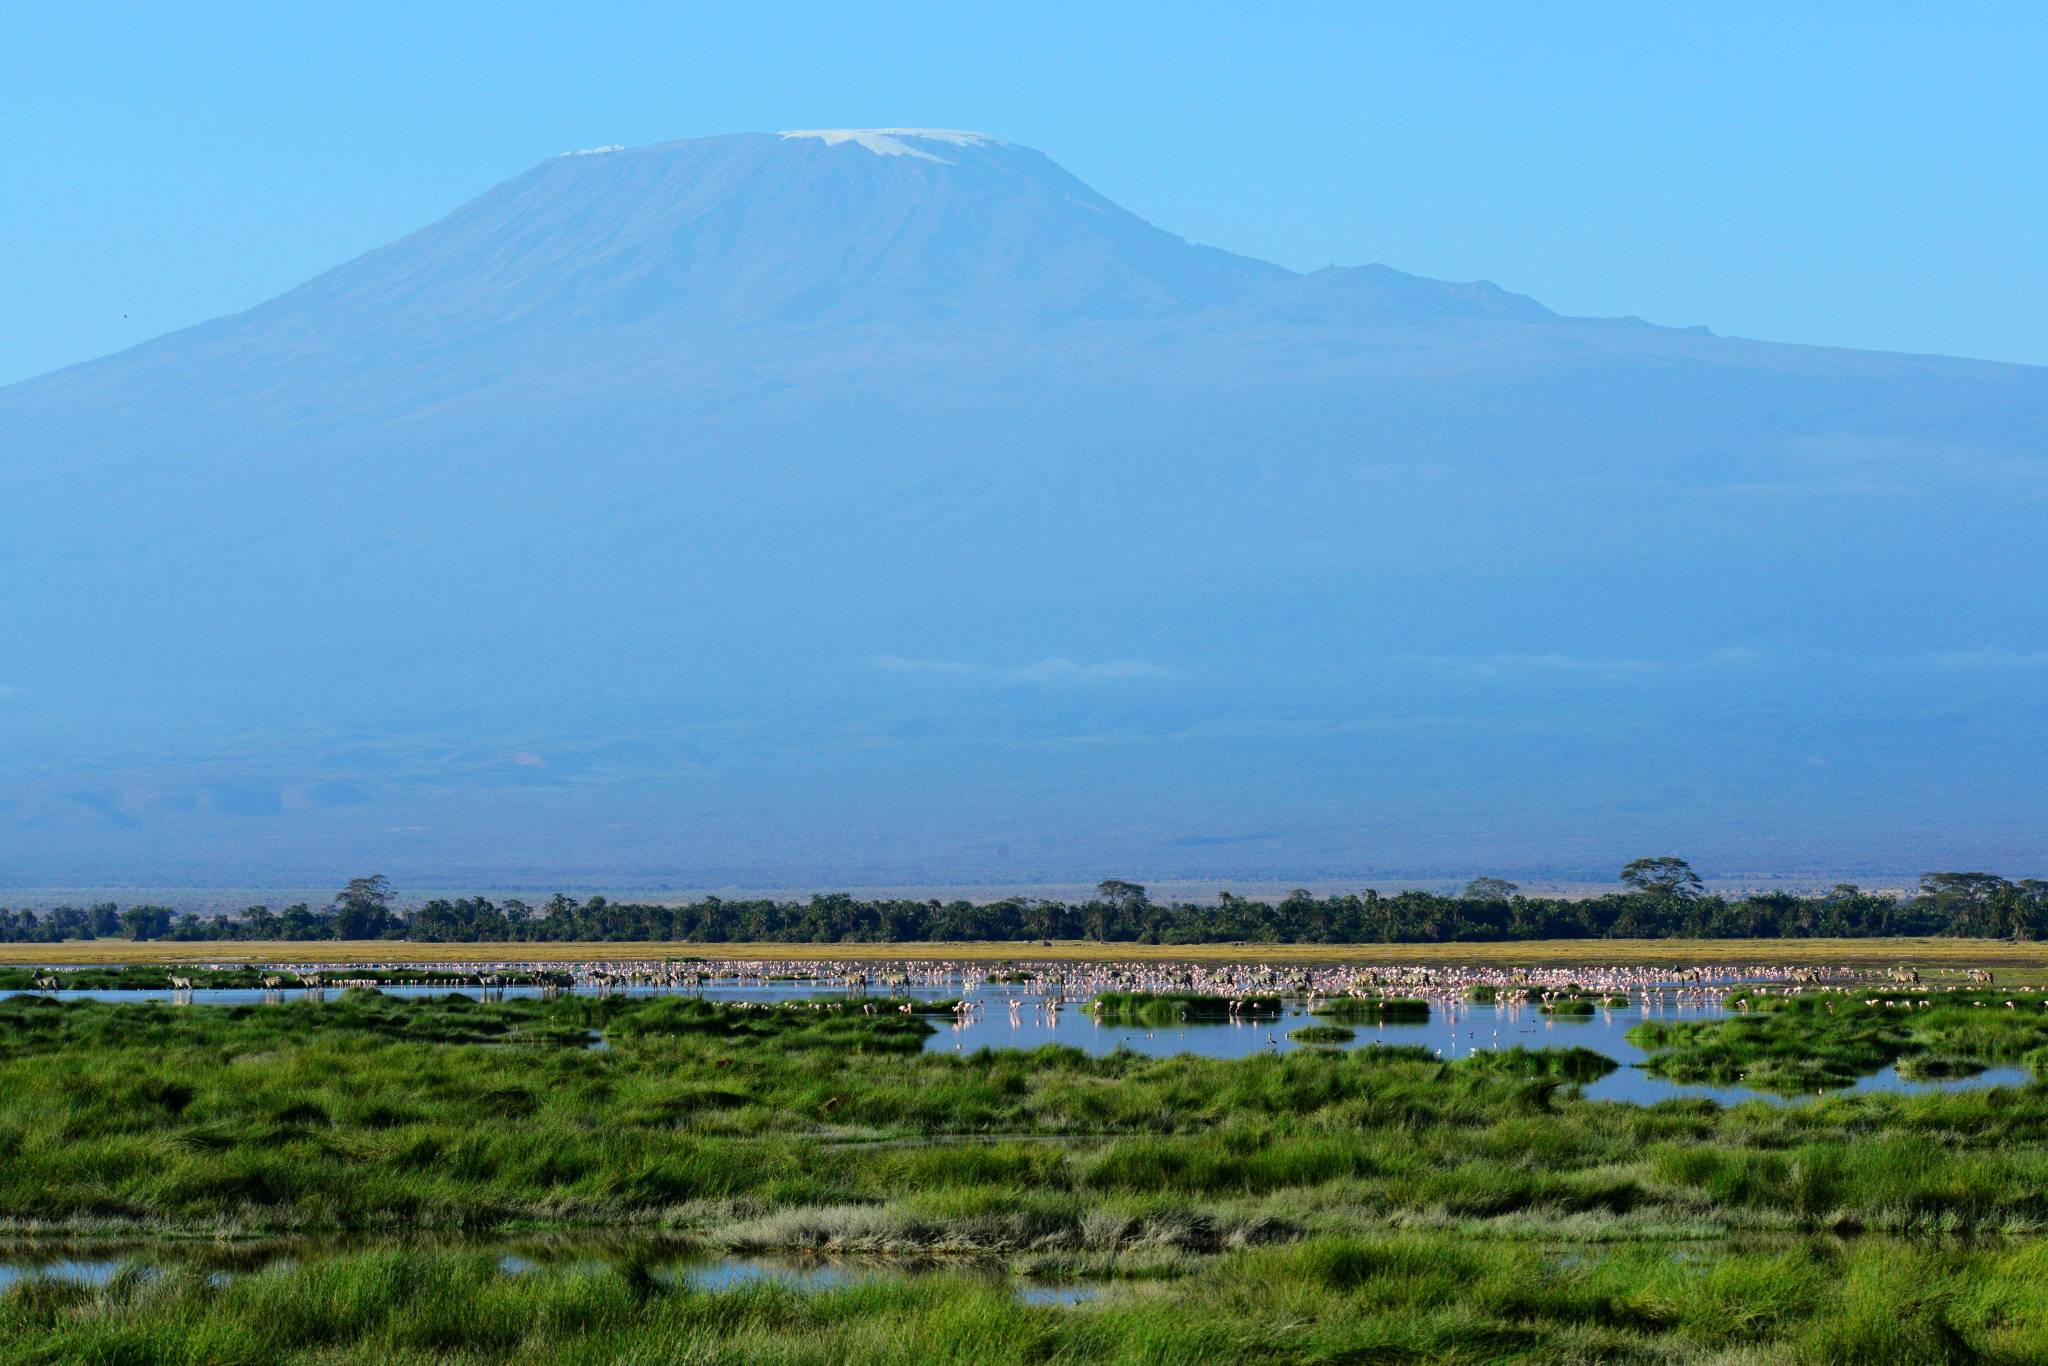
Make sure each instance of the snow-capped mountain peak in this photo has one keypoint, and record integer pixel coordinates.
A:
(888, 142)
(580, 534)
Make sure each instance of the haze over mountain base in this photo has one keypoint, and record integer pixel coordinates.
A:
(792, 510)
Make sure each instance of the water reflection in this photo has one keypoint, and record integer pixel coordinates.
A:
(680, 1264)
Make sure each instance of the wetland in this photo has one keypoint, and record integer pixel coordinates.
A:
(952, 1162)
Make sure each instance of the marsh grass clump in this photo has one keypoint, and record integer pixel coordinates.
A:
(1575, 1009)
(882, 1025)
(1575, 1065)
(1923, 1067)
(1145, 1005)
(1323, 1034)
(1805, 1043)
(1372, 1008)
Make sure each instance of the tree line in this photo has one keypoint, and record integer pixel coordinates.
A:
(1662, 900)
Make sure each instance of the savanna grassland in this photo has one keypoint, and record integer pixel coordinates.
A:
(1371, 1204)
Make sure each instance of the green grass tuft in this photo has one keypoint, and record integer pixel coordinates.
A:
(1323, 1034)
(1145, 1005)
(1372, 1008)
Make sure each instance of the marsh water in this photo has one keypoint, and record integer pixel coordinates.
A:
(1011, 1015)
(97, 1262)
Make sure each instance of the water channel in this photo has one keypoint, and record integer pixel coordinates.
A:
(96, 1262)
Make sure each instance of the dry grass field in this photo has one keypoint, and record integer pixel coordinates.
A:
(2027, 958)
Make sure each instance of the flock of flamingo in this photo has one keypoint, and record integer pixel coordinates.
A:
(1047, 987)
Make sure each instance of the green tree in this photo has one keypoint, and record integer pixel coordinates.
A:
(1490, 889)
(362, 910)
(146, 922)
(1663, 877)
(1127, 897)
(1962, 886)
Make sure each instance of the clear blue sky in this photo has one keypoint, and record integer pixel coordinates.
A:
(1858, 175)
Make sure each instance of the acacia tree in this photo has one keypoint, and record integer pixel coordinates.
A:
(1962, 886)
(1985, 905)
(1115, 909)
(1125, 896)
(1663, 877)
(362, 910)
(1490, 889)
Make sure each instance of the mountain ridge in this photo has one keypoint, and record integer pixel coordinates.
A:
(582, 286)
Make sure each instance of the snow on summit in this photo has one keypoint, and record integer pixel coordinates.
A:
(888, 142)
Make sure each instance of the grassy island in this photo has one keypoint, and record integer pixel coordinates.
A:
(1371, 1008)
(1808, 1042)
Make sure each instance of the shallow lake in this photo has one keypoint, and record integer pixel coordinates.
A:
(1029, 1015)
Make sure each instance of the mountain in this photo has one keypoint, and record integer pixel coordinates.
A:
(888, 506)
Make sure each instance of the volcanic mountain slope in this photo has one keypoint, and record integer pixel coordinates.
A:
(857, 504)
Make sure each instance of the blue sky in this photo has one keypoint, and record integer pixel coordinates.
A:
(1857, 175)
